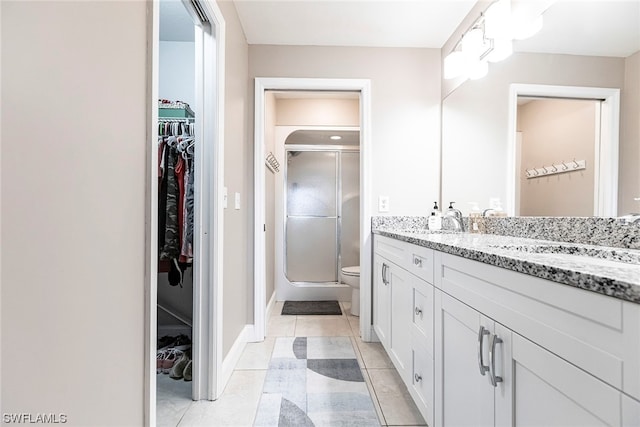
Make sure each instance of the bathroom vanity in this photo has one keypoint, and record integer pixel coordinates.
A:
(488, 329)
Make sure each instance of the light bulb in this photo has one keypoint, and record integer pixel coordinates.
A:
(472, 42)
(502, 49)
(478, 69)
(497, 20)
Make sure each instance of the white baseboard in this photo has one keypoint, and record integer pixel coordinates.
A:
(229, 363)
(270, 305)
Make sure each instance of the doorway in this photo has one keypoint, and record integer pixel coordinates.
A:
(605, 163)
(363, 88)
(317, 213)
(183, 278)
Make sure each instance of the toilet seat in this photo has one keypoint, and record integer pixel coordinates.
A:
(351, 271)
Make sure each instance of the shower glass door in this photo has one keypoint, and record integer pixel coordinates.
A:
(312, 216)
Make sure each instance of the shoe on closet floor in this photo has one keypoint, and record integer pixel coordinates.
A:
(172, 356)
(187, 371)
(160, 356)
(177, 371)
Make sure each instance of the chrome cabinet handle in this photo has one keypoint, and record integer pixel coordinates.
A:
(384, 273)
(417, 261)
(481, 333)
(418, 311)
(492, 360)
(417, 378)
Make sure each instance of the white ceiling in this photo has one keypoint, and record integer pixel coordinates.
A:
(578, 27)
(382, 23)
(588, 27)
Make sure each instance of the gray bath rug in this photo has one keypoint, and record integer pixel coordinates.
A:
(311, 308)
(315, 382)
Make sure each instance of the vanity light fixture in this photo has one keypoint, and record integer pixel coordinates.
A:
(490, 37)
(335, 137)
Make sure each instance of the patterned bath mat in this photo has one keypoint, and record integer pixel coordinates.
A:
(311, 308)
(314, 382)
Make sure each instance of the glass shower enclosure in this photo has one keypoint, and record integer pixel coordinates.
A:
(322, 213)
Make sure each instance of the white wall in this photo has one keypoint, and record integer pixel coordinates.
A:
(238, 177)
(553, 131)
(177, 71)
(74, 150)
(405, 111)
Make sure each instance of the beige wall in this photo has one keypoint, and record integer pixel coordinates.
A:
(238, 177)
(73, 209)
(554, 131)
(630, 138)
(405, 111)
(318, 112)
(475, 119)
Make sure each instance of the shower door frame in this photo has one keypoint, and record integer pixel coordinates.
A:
(324, 149)
(363, 87)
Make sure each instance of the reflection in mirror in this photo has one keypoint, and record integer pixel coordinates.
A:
(478, 151)
(555, 151)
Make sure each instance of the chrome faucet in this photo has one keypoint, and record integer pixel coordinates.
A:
(632, 218)
(454, 217)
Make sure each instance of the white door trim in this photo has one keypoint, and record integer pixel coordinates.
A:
(208, 227)
(309, 84)
(606, 158)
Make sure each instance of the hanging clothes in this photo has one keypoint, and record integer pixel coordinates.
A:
(175, 196)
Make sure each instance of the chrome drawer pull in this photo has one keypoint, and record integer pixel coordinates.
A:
(417, 261)
(492, 361)
(418, 311)
(481, 333)
(417, 378)
(384, 273)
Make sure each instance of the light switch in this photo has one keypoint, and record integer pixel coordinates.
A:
(237, 200)
(224, 198)
(383, 203)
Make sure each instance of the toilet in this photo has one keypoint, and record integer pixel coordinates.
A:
(351, 277)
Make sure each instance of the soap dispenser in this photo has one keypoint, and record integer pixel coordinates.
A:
(497, 211)
(435, 219)
(476, 224)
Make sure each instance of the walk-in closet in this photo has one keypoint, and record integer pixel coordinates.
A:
(176, 181)
(187, 301)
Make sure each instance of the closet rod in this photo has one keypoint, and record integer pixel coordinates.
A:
(177, 316)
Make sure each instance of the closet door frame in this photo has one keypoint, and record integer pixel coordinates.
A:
(208, 219)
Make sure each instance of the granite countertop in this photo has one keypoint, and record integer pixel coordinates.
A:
(611, 271)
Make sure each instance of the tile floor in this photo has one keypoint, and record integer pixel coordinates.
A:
(239, 402)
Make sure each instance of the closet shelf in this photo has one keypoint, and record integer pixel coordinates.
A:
(176, 113)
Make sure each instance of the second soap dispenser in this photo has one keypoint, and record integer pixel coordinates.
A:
(435, 219)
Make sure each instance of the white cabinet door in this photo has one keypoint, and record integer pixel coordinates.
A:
(401, 321)
(464, 397)
(381, 299)
(543, 389)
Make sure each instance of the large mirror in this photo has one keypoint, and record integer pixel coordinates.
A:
(491, 148)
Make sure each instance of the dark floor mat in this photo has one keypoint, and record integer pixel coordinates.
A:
(311, 308)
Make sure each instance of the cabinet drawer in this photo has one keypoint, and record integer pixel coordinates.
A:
(415, 259)
(391, 249)
(422, 386)
(423, 315)
(420, 262)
